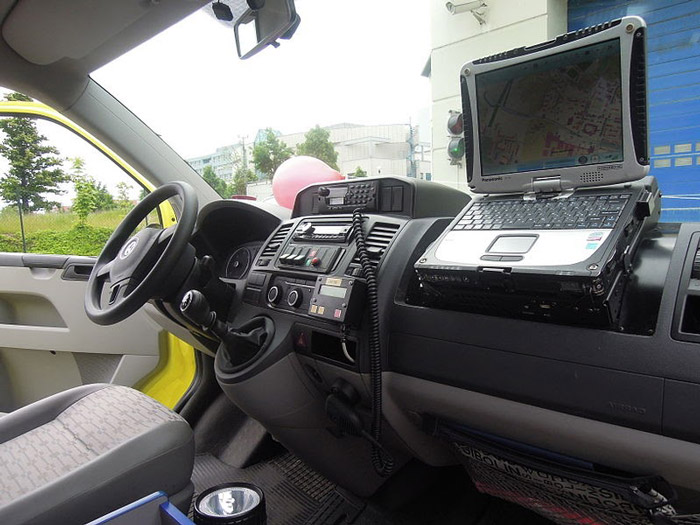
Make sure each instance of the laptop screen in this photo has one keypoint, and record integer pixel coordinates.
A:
(557, 111)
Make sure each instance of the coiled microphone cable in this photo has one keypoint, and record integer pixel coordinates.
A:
(381, 460)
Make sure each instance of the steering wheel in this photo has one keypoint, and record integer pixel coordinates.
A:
(138, 267)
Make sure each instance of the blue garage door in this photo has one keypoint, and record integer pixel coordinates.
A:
(673, 46)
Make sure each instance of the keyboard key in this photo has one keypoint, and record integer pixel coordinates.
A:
(614, 206)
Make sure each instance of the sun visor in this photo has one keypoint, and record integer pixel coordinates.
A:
(94, 31)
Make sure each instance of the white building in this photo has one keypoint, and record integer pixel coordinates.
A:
(224, 160)
(391, 149)
(457, 38)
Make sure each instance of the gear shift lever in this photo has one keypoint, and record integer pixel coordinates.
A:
(195, 307)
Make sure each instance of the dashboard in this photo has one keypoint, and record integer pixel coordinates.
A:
(624, 397)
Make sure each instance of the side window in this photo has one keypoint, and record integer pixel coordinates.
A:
(59, 194)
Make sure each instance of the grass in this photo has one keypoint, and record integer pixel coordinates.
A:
(59, 232)
(56, 221)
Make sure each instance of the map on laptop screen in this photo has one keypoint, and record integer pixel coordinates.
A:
(558, 111)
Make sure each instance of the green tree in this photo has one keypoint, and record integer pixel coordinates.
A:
(359, 172)
(270, 153)
(90, 195)
(317, 144)
(102, 197)
(84, 202)
(241, 178)
(216, 182)
(123, 200)
(104, 200)
(34, 167)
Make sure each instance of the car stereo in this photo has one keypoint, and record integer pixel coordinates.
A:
(321, 232)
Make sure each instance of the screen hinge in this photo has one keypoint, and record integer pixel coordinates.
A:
(546, 184)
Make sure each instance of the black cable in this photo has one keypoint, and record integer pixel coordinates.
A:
(383, 463)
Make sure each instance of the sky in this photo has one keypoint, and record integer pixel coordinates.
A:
(354, 61)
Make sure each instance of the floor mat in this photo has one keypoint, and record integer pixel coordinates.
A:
(297, 495)
(294, 493)
(500, 512)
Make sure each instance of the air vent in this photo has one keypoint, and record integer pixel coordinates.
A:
(378, 241)
(276, 241)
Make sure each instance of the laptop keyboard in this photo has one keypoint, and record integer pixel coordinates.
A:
(577, 212)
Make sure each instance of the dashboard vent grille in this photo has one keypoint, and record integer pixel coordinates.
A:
(378, 240)
(276, 241)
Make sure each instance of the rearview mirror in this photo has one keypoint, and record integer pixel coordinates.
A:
(261, 26)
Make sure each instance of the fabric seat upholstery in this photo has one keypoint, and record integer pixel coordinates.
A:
(81, 453)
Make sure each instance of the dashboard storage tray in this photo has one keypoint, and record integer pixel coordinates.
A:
(564, 490)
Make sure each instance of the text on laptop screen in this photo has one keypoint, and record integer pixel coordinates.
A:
(558, 111)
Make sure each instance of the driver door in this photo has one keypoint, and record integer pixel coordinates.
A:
(47, 343)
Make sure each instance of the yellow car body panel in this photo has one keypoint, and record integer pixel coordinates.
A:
(176, 368)
(174, 373)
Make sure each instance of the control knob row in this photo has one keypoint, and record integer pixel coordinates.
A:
(294, 298)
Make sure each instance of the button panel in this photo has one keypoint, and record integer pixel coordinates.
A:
(339, 299)
(317, 259)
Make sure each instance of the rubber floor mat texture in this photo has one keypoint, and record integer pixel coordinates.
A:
(294, 493)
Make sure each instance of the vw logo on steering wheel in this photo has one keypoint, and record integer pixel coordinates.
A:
(129, 248)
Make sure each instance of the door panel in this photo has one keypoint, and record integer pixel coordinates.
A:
(48, 344)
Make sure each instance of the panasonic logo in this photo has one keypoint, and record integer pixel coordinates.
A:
(605, 167)
(624, 407)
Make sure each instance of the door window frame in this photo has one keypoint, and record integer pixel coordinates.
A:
(39, 110)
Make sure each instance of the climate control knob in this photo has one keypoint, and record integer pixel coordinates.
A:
(295, 297)
(274, 294)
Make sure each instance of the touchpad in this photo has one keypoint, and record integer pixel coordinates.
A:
(512, 244)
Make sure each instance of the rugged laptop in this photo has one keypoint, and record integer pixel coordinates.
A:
(556, 135)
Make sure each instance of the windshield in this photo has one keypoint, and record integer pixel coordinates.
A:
(393, 68)
(348, 63)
